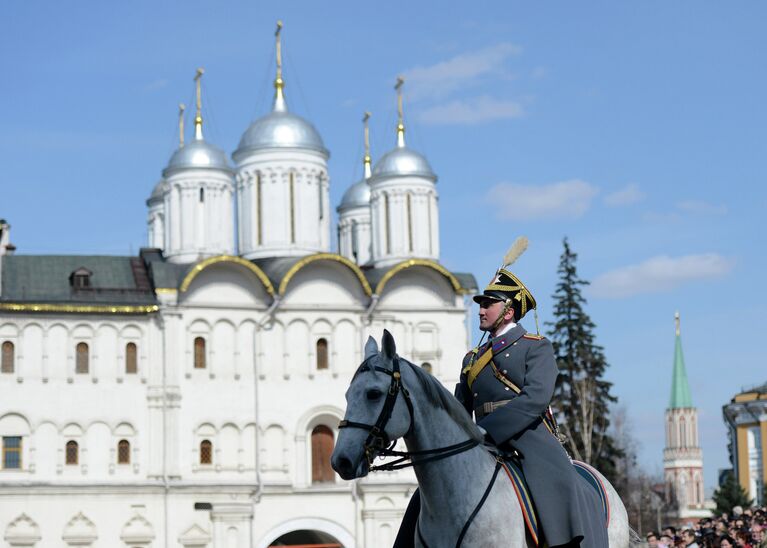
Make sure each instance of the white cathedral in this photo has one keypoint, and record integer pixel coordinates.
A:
(190, 396)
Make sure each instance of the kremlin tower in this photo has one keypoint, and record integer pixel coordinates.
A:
(682, 457)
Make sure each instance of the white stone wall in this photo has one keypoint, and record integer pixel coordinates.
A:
(156, 224)
(281, 224)
(409, 225)
(683, 460)
(257, 401)
(195, 228)
(355, 235)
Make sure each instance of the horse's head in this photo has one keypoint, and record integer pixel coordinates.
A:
(378, 410)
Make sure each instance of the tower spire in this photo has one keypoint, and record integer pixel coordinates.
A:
(198, 116)
(279, 83)
(181, 109)
(400, 117)
(680, 388)
(366, 160)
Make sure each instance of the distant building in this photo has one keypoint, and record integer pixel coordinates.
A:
(746, 418)
(682, 457)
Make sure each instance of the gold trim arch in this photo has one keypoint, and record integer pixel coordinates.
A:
(325, 257)
(199, 267)
(399, 267)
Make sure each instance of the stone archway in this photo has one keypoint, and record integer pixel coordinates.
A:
(306, 538)
(308, 533)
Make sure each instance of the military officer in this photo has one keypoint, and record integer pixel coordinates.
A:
(508, 384)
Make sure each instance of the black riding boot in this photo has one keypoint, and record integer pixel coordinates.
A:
(406, 535)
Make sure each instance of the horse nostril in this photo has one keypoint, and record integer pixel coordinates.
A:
(343, 466)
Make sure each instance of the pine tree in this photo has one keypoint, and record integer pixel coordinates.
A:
(730, 494)
(582, 396)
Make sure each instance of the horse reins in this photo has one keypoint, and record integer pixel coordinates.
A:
(378, 442)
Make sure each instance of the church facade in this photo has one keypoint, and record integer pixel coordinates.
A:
(190, 395)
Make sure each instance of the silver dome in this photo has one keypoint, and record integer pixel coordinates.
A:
(198, 154)
(356, 195)
(158, 192)
(403, 161)
(280, 129)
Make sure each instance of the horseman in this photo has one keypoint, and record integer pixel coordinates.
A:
(508, 383)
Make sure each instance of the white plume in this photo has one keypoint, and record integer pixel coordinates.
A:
(517, 248)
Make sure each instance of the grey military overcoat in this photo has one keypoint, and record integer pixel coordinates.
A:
(568, 508)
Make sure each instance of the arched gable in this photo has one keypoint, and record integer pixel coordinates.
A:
(325, 257)
(417, 286)
(396, 269)
(232, 284)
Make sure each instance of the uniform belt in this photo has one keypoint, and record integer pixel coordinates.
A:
(488, 407)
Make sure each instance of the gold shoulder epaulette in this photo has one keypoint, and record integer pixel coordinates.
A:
(532, 337)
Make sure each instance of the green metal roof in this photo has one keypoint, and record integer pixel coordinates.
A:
(680, 388)
(46, 278)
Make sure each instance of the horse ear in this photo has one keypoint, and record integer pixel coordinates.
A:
(389, 348)
(371, 347)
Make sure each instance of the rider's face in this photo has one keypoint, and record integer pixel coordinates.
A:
(489, 311)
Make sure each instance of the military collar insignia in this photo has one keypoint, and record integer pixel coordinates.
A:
(508, 338)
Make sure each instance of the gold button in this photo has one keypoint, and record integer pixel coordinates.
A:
(504, 371)
(507, 355)
(507, 388)
(475, 394)
(515, 343)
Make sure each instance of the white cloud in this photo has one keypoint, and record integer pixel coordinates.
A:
(659, 274)
(630, 194)
(156, 85)
(563, 200)
(702, 208)
(475, 110)
(442, 78)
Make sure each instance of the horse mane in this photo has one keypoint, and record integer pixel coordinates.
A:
(440, 397)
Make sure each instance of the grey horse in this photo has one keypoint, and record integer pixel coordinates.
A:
(428, 417)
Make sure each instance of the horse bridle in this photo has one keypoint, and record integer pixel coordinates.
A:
(378, 440)
(378, 443)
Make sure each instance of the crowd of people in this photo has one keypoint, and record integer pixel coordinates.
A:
(741, 529)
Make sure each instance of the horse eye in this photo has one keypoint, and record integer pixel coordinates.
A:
(374, 394)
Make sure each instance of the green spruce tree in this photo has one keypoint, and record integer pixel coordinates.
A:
(730, 494)
(582, 396)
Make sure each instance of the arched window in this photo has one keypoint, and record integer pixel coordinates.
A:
(682, 437)
(206, 452)
(72, 452)
(292, 207)
(355, 239)
(426, 367)
(199, 353)
(81, 358)
(123, 452)
(7, 357)
(258, 208)
(322, 354)
(409, 222)
(322, 449)
(131, 364)
(387, 224)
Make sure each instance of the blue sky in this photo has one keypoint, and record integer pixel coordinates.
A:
(638, 130)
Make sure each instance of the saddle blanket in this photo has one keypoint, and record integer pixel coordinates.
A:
(526, 501)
